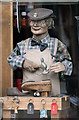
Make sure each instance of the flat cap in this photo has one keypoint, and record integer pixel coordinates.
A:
(40, 13)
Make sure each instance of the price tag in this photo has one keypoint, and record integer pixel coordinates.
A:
(54, 108)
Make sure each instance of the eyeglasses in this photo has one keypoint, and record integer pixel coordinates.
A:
(40, 23)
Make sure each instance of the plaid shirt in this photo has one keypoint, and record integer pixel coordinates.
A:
(16, 58)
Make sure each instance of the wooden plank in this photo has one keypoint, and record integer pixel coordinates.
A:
(60, 114)
(6, 114)
(7, 39)
(66, 104)
(24, 101)
(0, 49)
(37, 101)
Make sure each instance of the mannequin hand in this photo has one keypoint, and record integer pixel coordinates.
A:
(30, 66)
(57, 67)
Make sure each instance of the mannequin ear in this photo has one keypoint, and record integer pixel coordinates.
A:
(50, 23)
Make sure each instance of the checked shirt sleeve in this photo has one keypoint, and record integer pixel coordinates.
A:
(16, 58)
(64, 57)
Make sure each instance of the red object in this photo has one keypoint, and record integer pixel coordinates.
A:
(15, 22)
(15, 19)
(18, 84)
(23, 22)
(23, 19)
(54, 108)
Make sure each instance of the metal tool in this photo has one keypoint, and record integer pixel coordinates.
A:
(43, 66)
(37, 94)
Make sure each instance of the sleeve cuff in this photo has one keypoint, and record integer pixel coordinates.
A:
(19, 62)
(68, 67)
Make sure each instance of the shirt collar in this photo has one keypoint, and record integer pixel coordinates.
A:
(46, 39)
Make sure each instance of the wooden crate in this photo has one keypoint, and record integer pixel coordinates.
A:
(63, 103)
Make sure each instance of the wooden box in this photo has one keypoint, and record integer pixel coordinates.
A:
(63, 103)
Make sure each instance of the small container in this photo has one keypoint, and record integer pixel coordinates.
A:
(23, 19)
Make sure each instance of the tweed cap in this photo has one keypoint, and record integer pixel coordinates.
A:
(40, 13)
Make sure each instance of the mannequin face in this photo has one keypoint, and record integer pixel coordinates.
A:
(39, 27)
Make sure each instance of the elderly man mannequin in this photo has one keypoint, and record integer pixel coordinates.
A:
(28, 53)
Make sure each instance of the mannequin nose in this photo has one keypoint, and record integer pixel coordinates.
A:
(35, 24)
